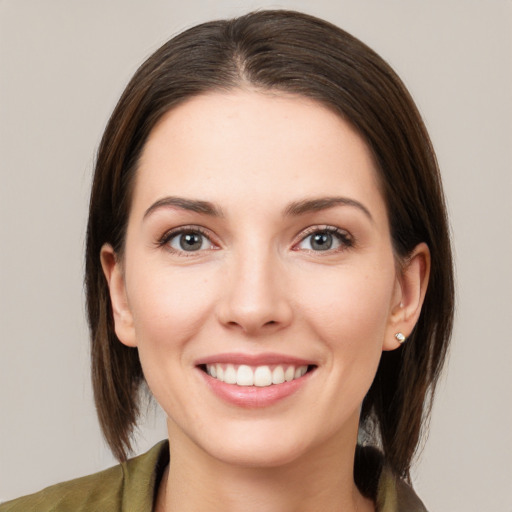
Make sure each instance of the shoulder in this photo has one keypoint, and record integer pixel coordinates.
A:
(127, 486)
(100, 491)
(395, 495)
(376, 481)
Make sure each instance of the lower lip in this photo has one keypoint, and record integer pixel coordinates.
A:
(253, 397)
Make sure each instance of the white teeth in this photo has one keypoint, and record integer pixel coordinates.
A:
(260, 376)
(244, 376)
(289, 374)
(278, 375)
(230, 375)
(300, 371)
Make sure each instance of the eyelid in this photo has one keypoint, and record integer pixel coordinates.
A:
(188, 228)
(344, 236)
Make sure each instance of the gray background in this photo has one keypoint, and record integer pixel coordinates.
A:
(63, 64)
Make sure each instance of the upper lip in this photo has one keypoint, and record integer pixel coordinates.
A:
(253, 359)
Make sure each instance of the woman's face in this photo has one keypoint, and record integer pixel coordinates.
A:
(257, 249)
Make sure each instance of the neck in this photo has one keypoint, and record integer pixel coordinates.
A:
(322, 480)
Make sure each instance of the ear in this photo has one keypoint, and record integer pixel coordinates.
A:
(123, 319)
(409, 294)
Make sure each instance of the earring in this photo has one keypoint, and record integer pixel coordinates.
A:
(400, 337)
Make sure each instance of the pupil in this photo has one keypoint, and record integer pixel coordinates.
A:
(190, 241)
(321, 241)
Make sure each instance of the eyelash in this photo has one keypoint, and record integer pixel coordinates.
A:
(175, 232)
(343, 237)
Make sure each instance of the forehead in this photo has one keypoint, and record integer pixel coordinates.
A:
(255, 146)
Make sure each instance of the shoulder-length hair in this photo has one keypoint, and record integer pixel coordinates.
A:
(294, 53)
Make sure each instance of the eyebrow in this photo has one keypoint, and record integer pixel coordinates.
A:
(296, 208)
(193, 205)
(323, 203)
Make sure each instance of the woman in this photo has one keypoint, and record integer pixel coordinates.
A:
(268, 250)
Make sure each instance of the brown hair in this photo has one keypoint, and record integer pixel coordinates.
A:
(296, 53)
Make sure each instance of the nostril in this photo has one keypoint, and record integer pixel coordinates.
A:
(247, 326)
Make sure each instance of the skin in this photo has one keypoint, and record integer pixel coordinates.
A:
(258, 285)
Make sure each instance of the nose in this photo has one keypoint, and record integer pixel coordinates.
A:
(255, 298)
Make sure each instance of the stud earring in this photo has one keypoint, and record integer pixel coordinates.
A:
(400, 337)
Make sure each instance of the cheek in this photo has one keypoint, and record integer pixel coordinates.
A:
(353, 298)
(169, 309)
(169, 306)
(349, 311)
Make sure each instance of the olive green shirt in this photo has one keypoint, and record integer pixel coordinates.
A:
(132, 486)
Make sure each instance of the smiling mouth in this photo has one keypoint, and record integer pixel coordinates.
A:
(259, 376)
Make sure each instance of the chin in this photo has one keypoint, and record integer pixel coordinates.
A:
(265, 455)
(269, 444)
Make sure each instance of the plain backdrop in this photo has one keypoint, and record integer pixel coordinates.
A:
(63, 64)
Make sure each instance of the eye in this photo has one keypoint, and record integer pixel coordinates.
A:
(325, 239)
(187, 240)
